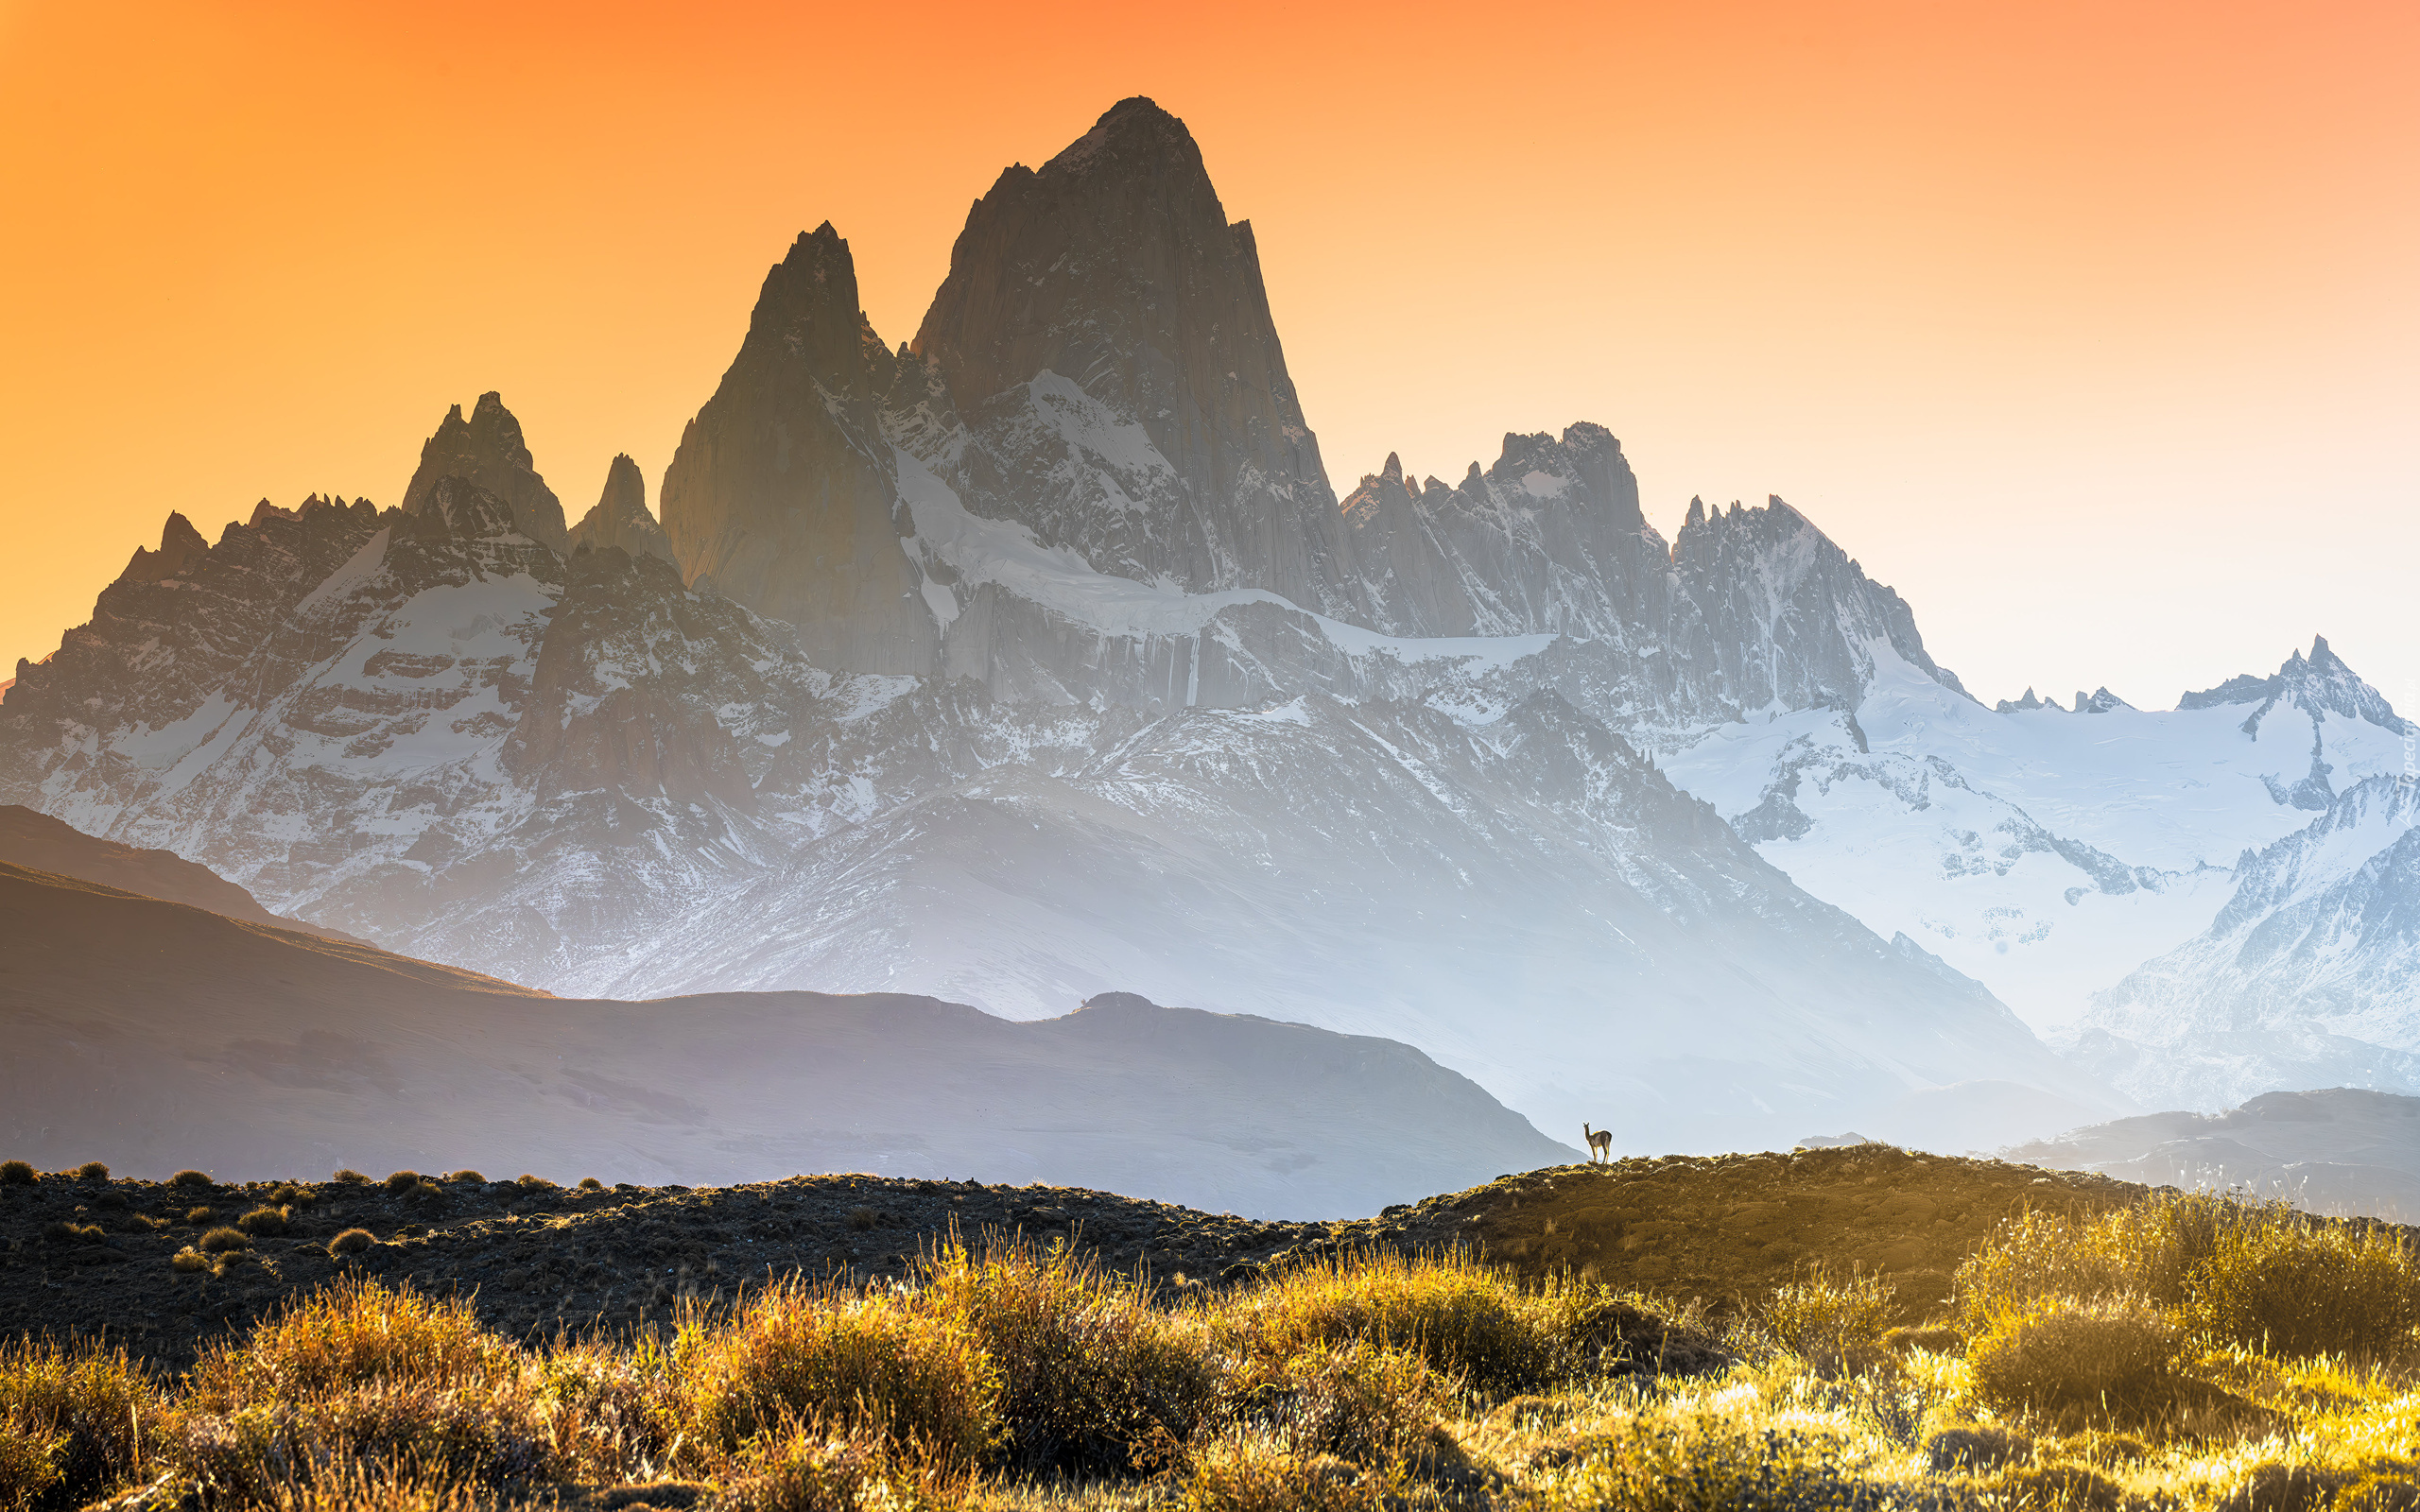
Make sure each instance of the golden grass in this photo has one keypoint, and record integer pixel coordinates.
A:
(1008, 1376)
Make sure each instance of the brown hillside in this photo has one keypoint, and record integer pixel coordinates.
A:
(154, 1036)
(39, 843)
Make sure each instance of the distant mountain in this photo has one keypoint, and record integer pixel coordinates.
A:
(154, 1036)
(1038, 657)
(2345, 1151)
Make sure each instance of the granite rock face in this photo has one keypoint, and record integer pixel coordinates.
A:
(620, 517)
(784, 493)
(1105, 333)
(488, 450)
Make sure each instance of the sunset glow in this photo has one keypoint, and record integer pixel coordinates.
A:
(2079, 324)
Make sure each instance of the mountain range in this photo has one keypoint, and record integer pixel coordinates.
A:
(1039, 657)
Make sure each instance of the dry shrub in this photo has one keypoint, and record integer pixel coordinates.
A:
(589, 1183)
(352, 1242)
(67, 1231)
(2294, 1286)
(804, 1353)
(352, 1333)
(2110, 1360)
(1249, 1472)
(1359, 1401)
(534, 1183)
(197, 1217)
(221, 1240)
(2074, 1486)
(17, 1174)
(1462, 1318)
(262, 1221)
(607, 1409)
(466, 1175)
(356, 1487)
(189, 1260)
(1830, 1323)
(91, 1171)
(400, 1183)
(362, 1378)
(1709, 1461)
(71, 1422)
(1973, 1447)
(806, 1470)
(1090, 1371)
(191, 1178)
(347, 1177)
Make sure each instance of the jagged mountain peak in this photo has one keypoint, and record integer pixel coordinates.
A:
(1135, 135)
(620, 517)
(181, 545)
(489, 449)
(2320, 684)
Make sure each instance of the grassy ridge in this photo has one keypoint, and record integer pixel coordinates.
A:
(2183, 1351)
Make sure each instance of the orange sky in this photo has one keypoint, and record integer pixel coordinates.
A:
(2090, 327)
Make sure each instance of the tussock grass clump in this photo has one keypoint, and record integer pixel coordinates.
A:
(589, 1183)
(264, 1221)
(533, 1183)
(2292, 1286)
(17, 1174)
(1702, 1459)
(187, 1260)
(72, 1421)
(2108, 1360)
(352, 1333)
(1090, 1370)
(1461, 1319)
(91, 1171)
(67, 1231)
(219, 1241)
(1831, 1322)
(1358, 1402)
(199, 1217)
(1254, 1473)
(347, 1177)
(400, 1183)
(804, 1470)
(798, 1352)
(352, 1242)
(192, 1178)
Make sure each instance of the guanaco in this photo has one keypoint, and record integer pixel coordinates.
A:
(1600, 1142)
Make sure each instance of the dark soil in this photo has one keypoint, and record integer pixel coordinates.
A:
(537, 1261)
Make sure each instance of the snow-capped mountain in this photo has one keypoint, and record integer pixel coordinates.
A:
(1039, 657)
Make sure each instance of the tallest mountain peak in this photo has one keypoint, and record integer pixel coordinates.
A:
(1135, 135)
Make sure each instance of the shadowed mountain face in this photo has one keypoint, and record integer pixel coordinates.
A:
(154, 1036)
(488, 450)
(2344, 1150)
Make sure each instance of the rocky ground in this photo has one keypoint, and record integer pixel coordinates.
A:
(96, 1257)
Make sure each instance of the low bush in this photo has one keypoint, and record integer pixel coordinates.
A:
(352, 1242)
(1463, 1319)
(17, 1174)
(199, 1217)
(589, 1183)
(261, 1221)
(347, 1177)
(71, 1422)
(804, 1470)
(1246, 1472)
(1360, 1401)
(91, 1171)
(1090, 1370)
(219, 1241)
(399, 1183)
(188, 1261)
(466, 1175)
(1971, 1447)
(67, 1231)
(1832, 1323)
(534, 1183)
(2293, 1286)
(2113, 1360)
(192, 1178)
(798, 1354)
(1707, 1461)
